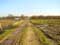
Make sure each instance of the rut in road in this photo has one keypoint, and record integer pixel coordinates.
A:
(46, 32)
(12, 38)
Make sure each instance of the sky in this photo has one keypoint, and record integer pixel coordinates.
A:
(29, 7)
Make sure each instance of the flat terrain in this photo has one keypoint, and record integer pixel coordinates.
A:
(29, 33)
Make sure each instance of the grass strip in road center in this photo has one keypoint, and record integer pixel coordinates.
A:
(29, 37)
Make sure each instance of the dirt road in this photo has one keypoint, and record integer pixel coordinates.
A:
(29, 38)
(11, 39)
(25, 34)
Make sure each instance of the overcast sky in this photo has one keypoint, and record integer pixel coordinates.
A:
(29, 7)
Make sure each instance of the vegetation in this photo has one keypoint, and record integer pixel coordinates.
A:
(35, 30)
(10, 30)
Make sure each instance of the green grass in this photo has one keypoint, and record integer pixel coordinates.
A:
(38, 21)
(18, 23)
(44, 40)
(23, 35)
(8, 31)
(45, 21)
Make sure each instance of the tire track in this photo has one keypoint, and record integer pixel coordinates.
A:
(10, 40)
(29, 38)
(46, 32)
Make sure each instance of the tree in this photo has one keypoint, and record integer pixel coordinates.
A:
(10, 16)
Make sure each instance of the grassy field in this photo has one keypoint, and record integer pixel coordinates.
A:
(31, 32)
(45, 21)
(50, 29)
(6, 32)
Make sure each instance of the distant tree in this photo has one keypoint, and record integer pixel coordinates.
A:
(34, 17)
(22, 16)
(10, 16)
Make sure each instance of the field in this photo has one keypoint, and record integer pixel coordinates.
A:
(29, 31)
(50, 28)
